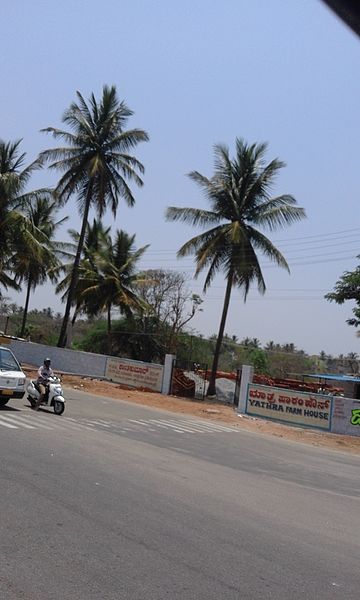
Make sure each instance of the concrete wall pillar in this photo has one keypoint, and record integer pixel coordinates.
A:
(167, 375)
(246, 378)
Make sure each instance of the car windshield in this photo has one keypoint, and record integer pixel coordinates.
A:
(8, 361)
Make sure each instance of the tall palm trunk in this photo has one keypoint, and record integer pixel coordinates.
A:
(75, 271)
(212, 388)
(26, 308)
(109, 332)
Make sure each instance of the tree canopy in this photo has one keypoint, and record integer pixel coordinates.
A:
(241, 204)
(348, 288)
(95, 163)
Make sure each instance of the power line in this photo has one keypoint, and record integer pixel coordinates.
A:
(298, 240)
(191, 268)
(269, 290)
(335, 251)
(161, 254)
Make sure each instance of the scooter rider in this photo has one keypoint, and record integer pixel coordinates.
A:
(44, 372)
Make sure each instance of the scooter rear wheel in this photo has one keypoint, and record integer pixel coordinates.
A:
(59, 407)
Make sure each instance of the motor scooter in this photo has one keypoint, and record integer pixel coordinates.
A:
(53, 395)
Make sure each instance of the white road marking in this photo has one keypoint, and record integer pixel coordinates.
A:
(188, 426)
(173, 426)
(184, 425)
(33, 420)
(7, 425)
(143, 423)
(213, 426)
(166, 425)
(77, 425)
(17, 422)
(37, 421)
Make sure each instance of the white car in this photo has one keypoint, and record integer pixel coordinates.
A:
(12, 378)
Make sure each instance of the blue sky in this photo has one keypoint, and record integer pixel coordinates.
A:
(197, 73)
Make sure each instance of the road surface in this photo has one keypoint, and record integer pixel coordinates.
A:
(113, 501)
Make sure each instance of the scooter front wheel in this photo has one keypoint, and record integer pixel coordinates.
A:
(32, 401)
(59, 407)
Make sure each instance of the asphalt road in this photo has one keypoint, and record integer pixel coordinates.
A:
(114, 501)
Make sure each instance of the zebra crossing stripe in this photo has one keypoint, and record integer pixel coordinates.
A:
(7, 424)
(178, 425)
(137, 422)
(166, 425)
(192, 426)
(189, 426)
(15, 422)
(37, 422)
(213, 426)
(31, 420)
(184, 425)
(77, 424)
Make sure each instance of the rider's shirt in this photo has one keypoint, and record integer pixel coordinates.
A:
(44, 373)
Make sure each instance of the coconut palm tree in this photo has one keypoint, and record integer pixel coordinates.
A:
(270, 346)
(15, 227)
(289, 347)
(353, 362)
(109, 278)
(96, 238)
(95, 164)
(36, 269)
(240, 205)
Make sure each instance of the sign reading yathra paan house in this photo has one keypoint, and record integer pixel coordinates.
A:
(135, 373)
(290, 406)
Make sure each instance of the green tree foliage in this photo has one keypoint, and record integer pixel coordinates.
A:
(95, 164)
(240, 206)
(16, 230)
(96, 236)
(35, 269)
(130, 339)
(258, 358)
(108, 278)
(348, 288)
(287, 364)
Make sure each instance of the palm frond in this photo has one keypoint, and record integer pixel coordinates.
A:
(277, 212)
(193, 216)
(193, 245)
(239, 197)
(260, 241)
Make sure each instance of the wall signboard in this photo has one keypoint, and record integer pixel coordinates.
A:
(289, 406)
(346, 416)
(134, 373)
